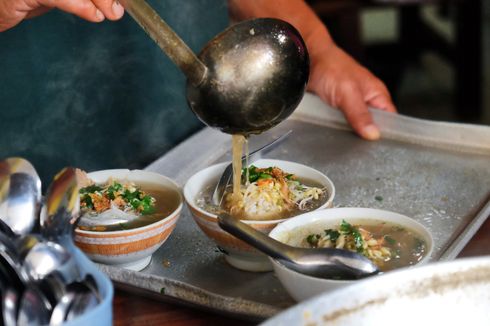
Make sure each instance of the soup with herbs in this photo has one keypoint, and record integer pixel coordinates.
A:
(121, 205)
(267, 194)
(388, 245)
(263, 193)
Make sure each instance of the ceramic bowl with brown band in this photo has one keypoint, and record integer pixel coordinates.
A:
(131, 248)
(238, 253)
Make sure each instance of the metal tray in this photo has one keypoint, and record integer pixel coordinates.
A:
(438, 173)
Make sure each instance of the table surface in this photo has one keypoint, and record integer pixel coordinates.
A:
(131, 309)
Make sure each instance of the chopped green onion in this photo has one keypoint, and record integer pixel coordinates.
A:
(390, 240)
(348, 229)
(333, 235)
(312, 239)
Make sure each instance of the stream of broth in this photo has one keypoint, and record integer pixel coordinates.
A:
(237, 142)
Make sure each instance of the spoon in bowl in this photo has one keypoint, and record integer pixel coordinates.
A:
(247, 79)
(317, 262)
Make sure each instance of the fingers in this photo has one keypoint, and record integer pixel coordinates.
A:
(38, 12)
(354, 107)
(382, 102)
(378, 96)
(111, 9)
(94, 11)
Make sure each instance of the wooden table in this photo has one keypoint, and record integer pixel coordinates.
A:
(130, 309)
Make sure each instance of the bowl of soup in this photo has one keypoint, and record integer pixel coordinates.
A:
(272, 192)
(126, 215)
(391, 240)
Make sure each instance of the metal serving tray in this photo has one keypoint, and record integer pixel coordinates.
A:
(437, 173)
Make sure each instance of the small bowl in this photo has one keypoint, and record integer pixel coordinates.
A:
(238, 253)
(131, 249)
(302, 287)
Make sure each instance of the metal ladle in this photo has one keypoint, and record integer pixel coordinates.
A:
(317, 262)
(246, 80)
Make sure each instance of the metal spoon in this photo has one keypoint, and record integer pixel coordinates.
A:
(34, 308)
(12, 280)
(10, 300)
(87, 298)
(48, 257)
(318, 262)
(20, 195)
(62, 207)
(247, 79)
(225, 178)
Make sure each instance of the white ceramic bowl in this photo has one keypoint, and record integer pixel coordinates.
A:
(301, 286)
(131, 249)
(238, 253)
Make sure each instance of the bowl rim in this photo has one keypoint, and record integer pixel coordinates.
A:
(342, 212)
(175, 212)
(194, 206)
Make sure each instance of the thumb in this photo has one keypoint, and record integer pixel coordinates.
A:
(357, 114)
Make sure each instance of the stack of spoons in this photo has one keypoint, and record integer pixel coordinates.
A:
(41, 280)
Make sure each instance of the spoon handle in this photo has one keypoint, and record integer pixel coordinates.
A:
(166, 39)
(256, 239)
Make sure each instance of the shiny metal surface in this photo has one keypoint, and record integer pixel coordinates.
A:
(20, 195)
(48, 257)
(35, 273)
(253, 156)
(257, 75)
(60, 311)
(62, 206)
(6, 230)
(317, 262)
(78, 298)
(86, 298)
(10, 301)
(34, 308)
(246, 80)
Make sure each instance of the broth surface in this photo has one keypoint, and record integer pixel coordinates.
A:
(405, 246)
(167, 201)
(204, 201)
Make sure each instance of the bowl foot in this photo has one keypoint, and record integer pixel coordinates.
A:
(137, 265)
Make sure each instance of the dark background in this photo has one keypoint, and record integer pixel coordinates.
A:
(432, 54)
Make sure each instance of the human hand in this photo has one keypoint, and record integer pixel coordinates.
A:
(12, 12)
(343, 83)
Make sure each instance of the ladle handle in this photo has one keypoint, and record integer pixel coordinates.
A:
(166, 39)
(256, 239)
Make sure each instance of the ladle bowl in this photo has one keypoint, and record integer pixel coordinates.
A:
(257, 75)
(246, 80)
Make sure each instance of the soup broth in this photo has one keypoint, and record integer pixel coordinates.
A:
(166, 201)
(388, 245)
(204, 201)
